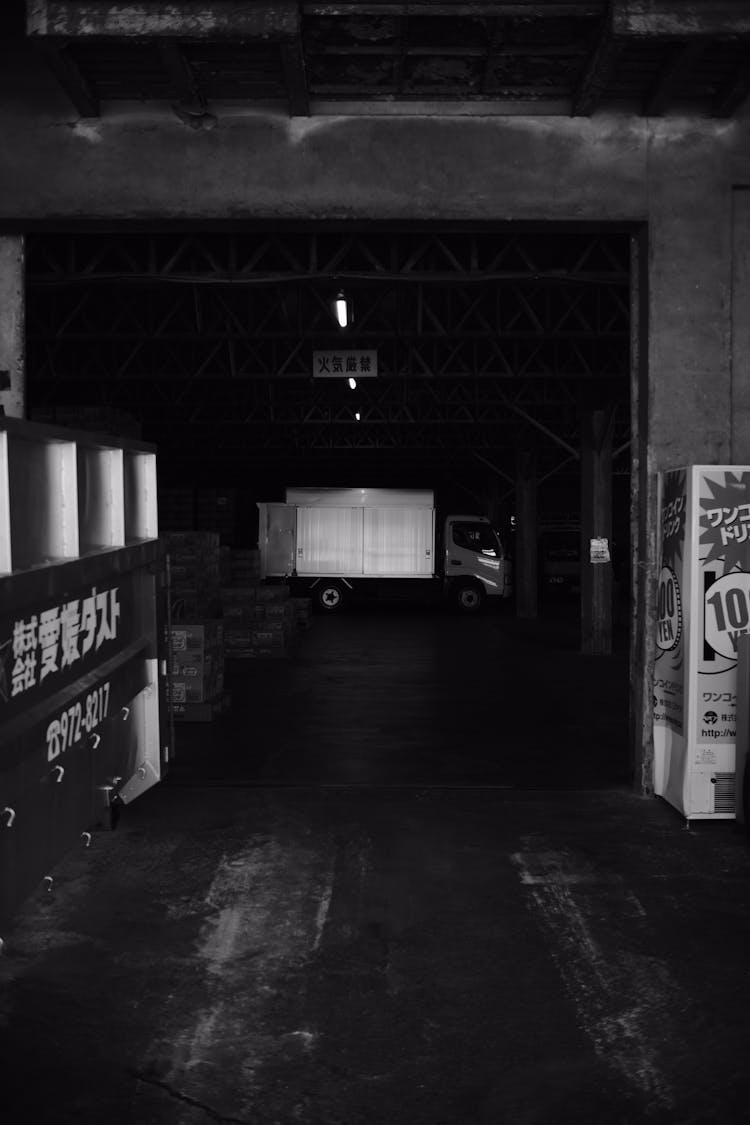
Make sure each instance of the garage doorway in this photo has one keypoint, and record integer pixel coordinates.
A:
(494, 344)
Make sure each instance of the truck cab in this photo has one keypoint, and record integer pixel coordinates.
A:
(474, 562)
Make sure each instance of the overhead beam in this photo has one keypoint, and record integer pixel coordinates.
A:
(181, 76)
(597, 74)
(74, 83)
(470, 8)
(730, 99)
(280, 19)
(495, 469)
(295, 79)
(664, 19)
(690, 24)
(171, 19)
(540, 426)
(670, 78)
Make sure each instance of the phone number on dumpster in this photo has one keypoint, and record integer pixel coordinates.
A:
(82, 717)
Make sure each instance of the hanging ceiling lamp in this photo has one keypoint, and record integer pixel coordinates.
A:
(341, 309)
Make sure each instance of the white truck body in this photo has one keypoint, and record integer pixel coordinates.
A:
(363, 533)
(351, 534)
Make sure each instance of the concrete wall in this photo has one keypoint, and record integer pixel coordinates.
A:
(12, 326)
(676, 175)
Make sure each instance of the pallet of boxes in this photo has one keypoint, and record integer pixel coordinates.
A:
(196, 641)
(261, 621)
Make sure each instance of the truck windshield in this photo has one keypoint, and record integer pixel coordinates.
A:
(477, 537)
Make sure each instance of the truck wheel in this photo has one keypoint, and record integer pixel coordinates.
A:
(330, 596)
(469, 598)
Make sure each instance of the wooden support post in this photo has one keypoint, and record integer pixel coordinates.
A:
(525, 564)
(596, 524)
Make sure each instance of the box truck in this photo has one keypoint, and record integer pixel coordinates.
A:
(336, 543)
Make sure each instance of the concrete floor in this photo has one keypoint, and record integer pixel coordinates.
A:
(369, 943)
(410, 695)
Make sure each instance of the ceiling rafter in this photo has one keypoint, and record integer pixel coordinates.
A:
(598, 71)
(463, 356)
(681, 60)
(182, 78)
(61, 61)
(218, 259)
(734, 92)
(426, 57)
(294, 69)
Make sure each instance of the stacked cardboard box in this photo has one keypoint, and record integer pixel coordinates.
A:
(194, 574)
(259, 621)
(196, 656)
(302, 612)
(200, 712)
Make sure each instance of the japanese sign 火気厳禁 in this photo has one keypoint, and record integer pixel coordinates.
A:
(344, 363)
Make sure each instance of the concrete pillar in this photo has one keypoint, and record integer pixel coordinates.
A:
(643, 526)
(12, 310)
(525, 578)
(739, 453)
(596, 523)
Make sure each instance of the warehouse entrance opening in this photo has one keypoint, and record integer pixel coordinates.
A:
(485, 367)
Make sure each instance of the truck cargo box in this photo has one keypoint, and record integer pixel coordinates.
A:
(353, 532)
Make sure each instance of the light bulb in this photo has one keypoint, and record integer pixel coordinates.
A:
(342, 310)
(357, 416)
(353, 383)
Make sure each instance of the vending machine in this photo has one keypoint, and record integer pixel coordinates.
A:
(703, 608)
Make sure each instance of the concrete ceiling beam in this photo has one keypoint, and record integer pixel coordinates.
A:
(273, 20)
(686, 19)
(465, 8)
(690, 24)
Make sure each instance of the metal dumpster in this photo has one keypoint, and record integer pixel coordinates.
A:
(80, 634)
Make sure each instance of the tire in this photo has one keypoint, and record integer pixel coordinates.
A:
(469, 597)
(330, 597)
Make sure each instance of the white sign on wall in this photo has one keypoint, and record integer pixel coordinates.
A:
(345, 363)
